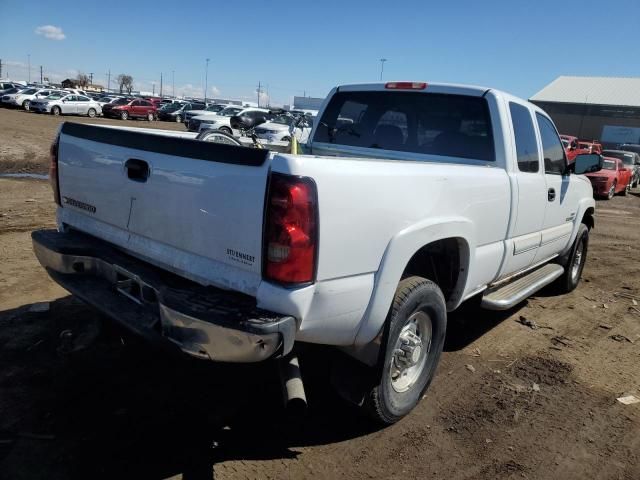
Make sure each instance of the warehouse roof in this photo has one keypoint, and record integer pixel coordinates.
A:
(592, 91)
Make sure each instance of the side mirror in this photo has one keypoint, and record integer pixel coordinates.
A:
(587, 163)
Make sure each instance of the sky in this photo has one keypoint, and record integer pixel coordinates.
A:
(308, 47)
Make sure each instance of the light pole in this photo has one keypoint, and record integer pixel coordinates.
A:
(382, 60)
(173, 83)
(29, 67)
(206, 79)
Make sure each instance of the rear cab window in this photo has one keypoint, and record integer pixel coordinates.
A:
(424, 123)
(525, 137)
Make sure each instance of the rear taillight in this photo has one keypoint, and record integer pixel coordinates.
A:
(53, 169)
(291, 230)
(405, 85)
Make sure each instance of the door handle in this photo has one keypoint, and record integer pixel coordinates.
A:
(137, 170)
(551, 194)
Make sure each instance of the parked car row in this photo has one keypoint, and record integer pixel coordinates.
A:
(620, 171)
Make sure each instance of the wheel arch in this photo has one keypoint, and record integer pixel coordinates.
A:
(406, 254)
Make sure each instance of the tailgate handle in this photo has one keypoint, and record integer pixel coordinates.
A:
(137, 170)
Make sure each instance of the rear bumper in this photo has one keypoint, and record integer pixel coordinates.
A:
(205, 322)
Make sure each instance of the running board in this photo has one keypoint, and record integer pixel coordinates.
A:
(515, 292)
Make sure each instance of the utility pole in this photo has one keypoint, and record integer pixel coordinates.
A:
(154, 88)
(0, 68)
(206, 79)
(40, 74)
(173, 83)
(91, 78)
(109, 81)
(382, 60)
(259, 92)
(160, 84)
(29, 67)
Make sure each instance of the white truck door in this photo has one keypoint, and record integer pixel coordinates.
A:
(562, 195)
(528, 176)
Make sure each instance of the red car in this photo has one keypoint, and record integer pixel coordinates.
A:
(125, 108)
(613, 178)
(572, 147)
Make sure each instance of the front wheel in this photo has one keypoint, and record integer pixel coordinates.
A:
(416, 328)
(178, 119)
(26, 105)
(574, 262)
(56, 111)
(124, 115)
(91, 113)
(612, 191)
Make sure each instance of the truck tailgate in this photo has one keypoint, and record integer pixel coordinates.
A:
(193, 207)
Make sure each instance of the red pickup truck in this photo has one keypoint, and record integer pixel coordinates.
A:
(572, 147)
(130, 108)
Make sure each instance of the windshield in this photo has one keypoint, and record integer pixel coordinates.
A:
(121, 101)
(422, 123)
(627, 158)
(29, 91)
(55, 96)
(214, 108)
(230, 111)
(609, 165)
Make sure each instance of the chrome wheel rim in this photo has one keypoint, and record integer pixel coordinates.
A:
(410, 352)
(577, 260)
(612, 191)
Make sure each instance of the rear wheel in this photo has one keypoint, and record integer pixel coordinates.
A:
(612, 191)
(26, 105)
(56, 111)
(91, 113)
(178, 119)
(226, 130)
(124, 115)
(416, 328)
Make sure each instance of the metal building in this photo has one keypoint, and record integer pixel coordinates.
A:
(594, 108)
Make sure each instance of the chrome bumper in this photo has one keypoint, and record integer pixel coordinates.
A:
(202, 321)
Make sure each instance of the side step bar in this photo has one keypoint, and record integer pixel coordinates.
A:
(515, 292)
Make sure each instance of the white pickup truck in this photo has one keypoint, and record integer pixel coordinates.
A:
(415, 198)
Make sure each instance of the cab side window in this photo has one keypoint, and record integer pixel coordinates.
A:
(525, 136)
(555, 161)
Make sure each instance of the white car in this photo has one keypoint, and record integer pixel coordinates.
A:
(8, 99)
(222, 121)
(277, 130)
(212, 109)
(67, 105)
(219, 120)
(25, 97)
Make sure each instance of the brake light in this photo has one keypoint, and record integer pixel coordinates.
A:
(53, 169)
(291, 230)
(405, 85)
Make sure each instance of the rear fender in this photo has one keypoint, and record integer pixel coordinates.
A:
(399, 251)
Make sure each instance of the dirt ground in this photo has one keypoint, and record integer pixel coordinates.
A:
(79, 398)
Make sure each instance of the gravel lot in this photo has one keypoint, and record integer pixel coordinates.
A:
(538, 403)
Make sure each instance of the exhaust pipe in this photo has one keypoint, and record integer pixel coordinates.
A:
(295, 399)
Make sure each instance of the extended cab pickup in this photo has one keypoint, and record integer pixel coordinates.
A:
(414, 199)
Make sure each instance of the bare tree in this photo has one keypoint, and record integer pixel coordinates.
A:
(125, 82)
(82, 79)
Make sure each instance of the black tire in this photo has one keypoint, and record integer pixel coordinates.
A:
(150, 117)
(626, 190)
(178, 119)
(612, 191)
(56, 111)
(26, 105)
(124, 115)
(573, 265)
(91, 113)
(286, 139)
(416, 297)
(226, 130)
(218, 136)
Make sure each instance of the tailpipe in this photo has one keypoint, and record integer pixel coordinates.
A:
(295, 399)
